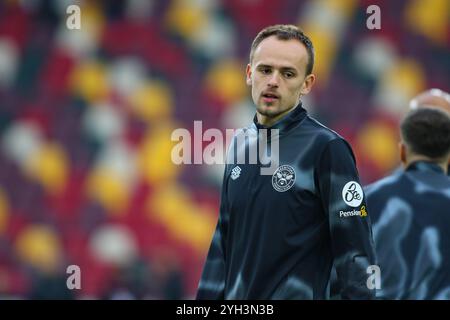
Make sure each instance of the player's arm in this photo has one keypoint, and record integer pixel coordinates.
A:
(212, 282)
(350, 227)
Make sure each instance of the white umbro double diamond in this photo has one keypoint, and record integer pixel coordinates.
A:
(236, 172)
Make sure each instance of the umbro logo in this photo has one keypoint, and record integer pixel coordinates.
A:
(236, 172)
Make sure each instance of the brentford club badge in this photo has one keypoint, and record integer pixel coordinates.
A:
(283, 178)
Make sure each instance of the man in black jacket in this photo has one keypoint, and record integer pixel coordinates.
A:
(410, 212)
(278, 234)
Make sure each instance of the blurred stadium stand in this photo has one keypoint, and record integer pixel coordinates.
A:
(86, 118)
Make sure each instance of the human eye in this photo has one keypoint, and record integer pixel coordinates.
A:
(289, 74)
(265, 70)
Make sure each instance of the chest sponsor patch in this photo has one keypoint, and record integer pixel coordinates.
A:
(283, 178)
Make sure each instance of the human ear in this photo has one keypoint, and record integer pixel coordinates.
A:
(402, 149)
(308, 84)
(248, 71)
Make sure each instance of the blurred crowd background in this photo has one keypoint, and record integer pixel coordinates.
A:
(86, 117)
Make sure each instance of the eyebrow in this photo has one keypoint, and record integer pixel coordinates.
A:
(281, 68)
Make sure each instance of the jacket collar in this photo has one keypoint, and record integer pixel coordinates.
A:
(288, 122)
(424, 166)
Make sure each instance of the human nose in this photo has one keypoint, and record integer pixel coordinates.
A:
(273, 80)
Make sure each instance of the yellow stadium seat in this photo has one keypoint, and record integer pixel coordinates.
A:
(4, 212)
(152, 101)
(39, 246)
(226, 80)
(49, 166)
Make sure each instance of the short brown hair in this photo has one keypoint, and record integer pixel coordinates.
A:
(286, 32)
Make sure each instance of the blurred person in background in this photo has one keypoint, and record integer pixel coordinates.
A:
(277, 235)
(433, 98)
(409, 210)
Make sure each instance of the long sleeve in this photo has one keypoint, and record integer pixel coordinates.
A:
(212, 282)
(350, 227)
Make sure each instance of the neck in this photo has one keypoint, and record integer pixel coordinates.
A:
(417, 157)
(269, 121)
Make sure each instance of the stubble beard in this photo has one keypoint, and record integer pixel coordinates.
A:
(269, 110)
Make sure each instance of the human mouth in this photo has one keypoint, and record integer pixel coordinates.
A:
(269, 97)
